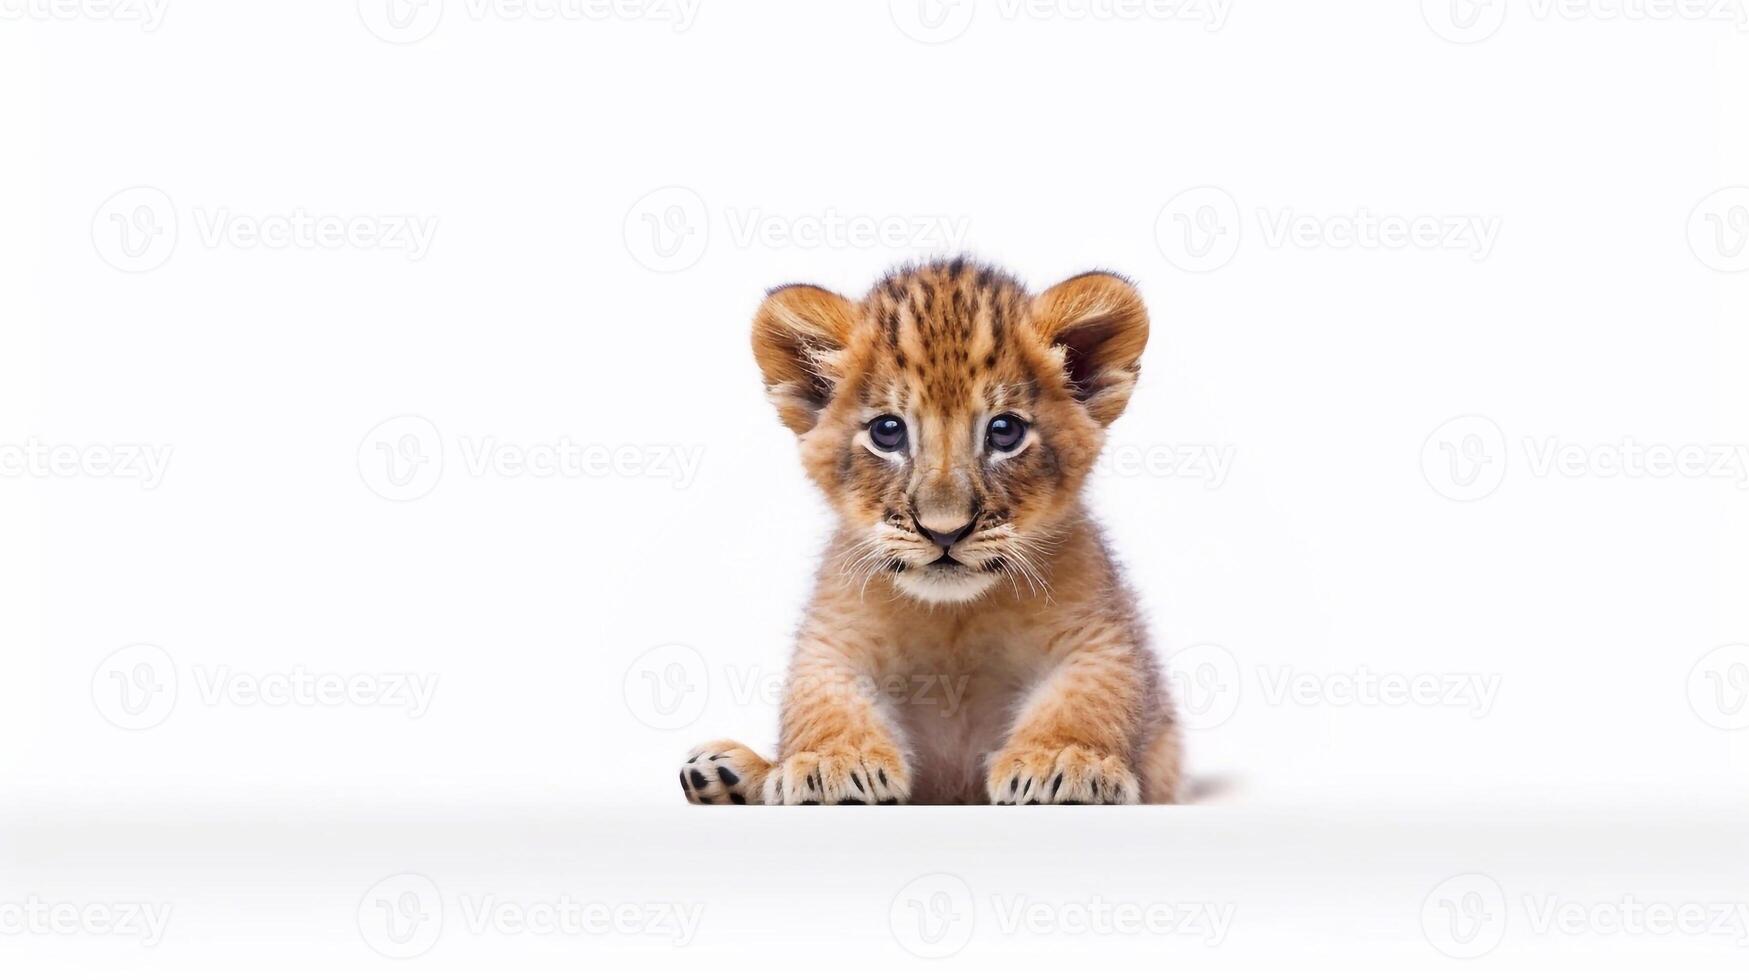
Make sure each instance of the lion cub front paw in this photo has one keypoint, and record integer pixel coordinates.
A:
(1069, 775)
(723, 772)
(847, 776)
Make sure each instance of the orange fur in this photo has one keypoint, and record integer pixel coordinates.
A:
(1009, 664)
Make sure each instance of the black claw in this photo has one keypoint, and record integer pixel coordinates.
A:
(812, 783)
(737, 798)
(727, 776)
(858, 781)
(850, 801)
(714, 758)
(706, 800)
(1014, 785)
(698, 780)
(882, 774)
(693, 759)
(1057, 785)
(683, 781)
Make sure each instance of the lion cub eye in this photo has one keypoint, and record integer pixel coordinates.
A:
(887, 432)
(1005, 432)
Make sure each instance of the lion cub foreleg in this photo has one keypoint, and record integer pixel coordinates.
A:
(837, 745)
(1076, 733)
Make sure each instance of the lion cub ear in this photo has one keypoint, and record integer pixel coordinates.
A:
(1098, 323)
(799, 336)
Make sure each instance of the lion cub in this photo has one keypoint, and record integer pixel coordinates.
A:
(969, 640)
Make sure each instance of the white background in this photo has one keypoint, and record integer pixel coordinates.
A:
(604, 197)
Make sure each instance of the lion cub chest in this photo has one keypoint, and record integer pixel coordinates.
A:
(954, 703)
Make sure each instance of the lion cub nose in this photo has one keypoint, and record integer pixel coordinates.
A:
(947, 539)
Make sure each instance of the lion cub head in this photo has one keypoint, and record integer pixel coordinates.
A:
(950, 416)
